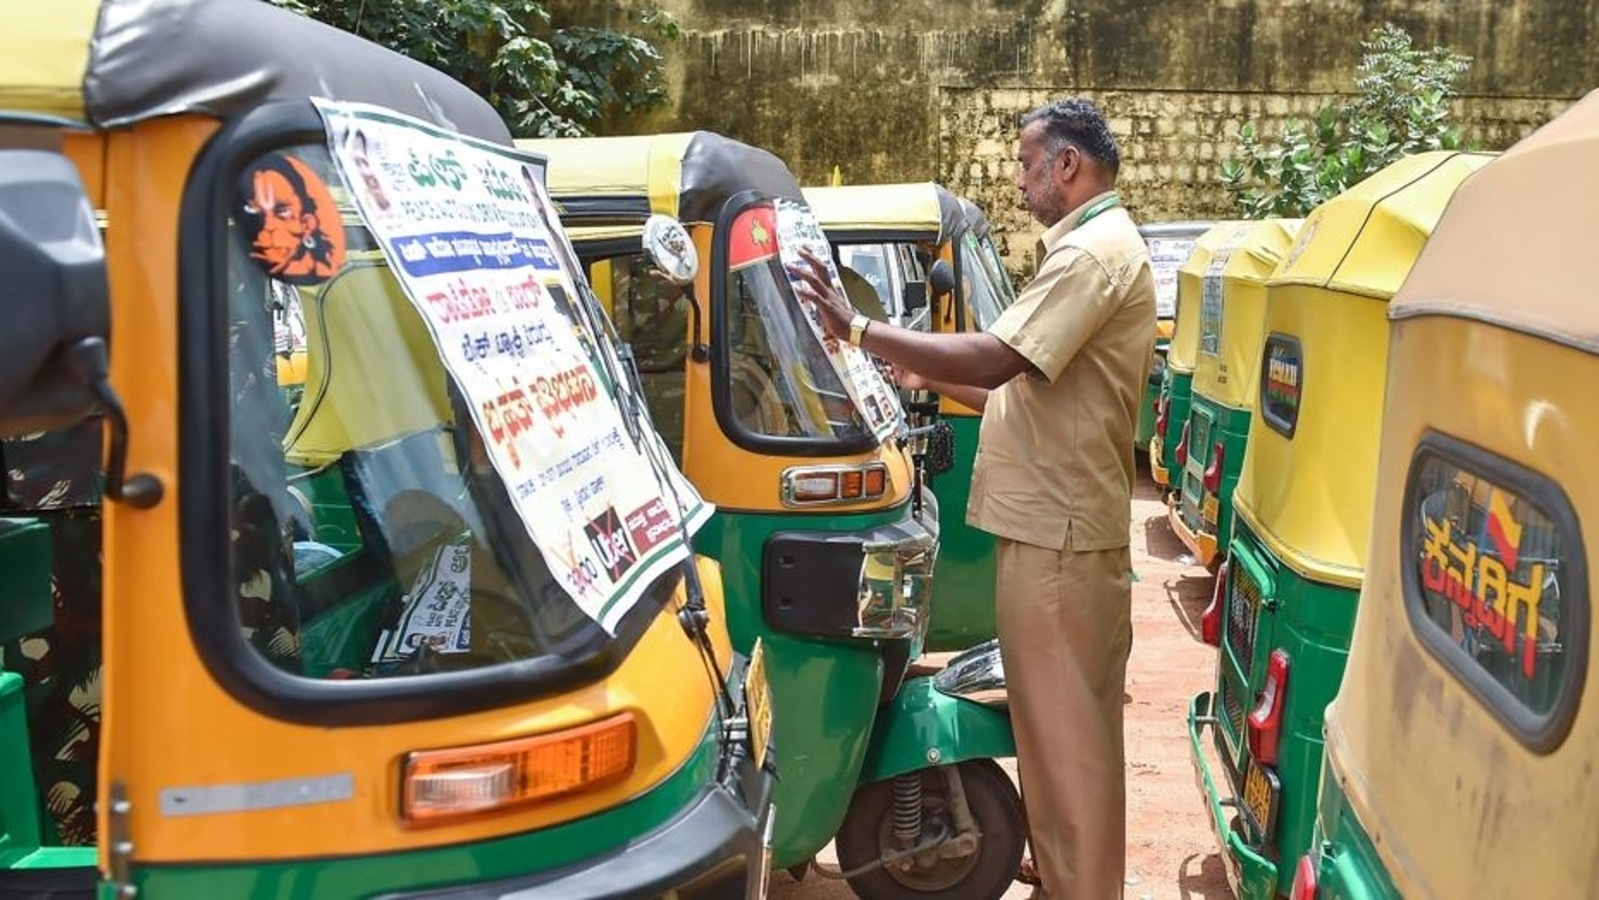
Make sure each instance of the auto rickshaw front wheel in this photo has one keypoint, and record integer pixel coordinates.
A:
(954, 870)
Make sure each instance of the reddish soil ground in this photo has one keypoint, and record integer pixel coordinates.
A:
(1171, 852)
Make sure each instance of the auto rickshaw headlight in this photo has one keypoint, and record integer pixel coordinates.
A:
(446, 784)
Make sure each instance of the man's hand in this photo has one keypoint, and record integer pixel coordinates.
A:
(814, 285)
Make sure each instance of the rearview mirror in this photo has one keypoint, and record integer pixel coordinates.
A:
(942, 278)
(53, 291)
(671, 249)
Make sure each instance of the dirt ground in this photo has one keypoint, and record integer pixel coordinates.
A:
(1171, 853)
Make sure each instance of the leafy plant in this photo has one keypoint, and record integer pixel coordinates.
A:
(546, 78)
(1402, 108)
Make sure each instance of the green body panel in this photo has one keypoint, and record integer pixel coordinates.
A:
(922, 727)
(963, 581)
(824, 692)
(1347, 864)
(542, 850)
(1252, 873)
(19, 800)
(1179, 387)
(331, 511)
(1312, 623)
(1146, 407)
(1231, 427)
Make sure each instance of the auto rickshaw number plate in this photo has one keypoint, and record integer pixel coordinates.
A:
(1262, 789)
(758, 703)
(1212, 506)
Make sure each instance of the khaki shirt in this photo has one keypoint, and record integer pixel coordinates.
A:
(1054, 463)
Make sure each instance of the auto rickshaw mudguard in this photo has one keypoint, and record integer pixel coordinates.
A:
(923, 727)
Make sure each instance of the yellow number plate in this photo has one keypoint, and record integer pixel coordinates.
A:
(1260, 797)
(758, 703)
(1212, 506)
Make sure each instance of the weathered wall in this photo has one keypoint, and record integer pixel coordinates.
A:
(919, 89)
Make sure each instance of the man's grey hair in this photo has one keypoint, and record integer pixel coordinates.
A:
(1076, 122)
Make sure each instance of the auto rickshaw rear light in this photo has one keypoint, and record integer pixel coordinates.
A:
(1162, 413)
(439, 785)
(1305, 887)
(1210, 622)
(1181, 453)
(1266, 721)
(1213, 471)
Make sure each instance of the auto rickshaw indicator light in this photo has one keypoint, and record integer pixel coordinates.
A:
(876, 481)
(1266, 721)
(851, 484)
(443, 784)
(817, 485)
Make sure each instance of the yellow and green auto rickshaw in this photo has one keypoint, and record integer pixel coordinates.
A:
(1182, 351)
(1170, 244)
(1463, 743)
(1232, 305)
(901, 225)
(216, 702)
(1286, 596)
(899, 769)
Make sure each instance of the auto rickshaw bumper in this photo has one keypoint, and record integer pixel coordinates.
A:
(1251, 875)
(718, 847)
(1200, 543)
(1157, 450)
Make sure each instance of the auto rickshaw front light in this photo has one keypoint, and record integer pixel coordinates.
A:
(440, 785)
(1210, 622)
(1266, 721)
(851, 485)
(816, 485)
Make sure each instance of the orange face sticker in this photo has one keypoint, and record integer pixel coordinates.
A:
(287, 213)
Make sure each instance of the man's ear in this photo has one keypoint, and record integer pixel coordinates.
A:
(1069, 161)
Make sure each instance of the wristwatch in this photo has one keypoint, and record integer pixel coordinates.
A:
(857, 329)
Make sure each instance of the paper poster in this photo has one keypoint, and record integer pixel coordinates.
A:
(1166, 256)
(472, 237)
(878, 402)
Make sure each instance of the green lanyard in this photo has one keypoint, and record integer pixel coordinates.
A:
(1110, 202)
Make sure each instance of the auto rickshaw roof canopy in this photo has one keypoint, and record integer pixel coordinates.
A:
(923, 207)
(112, 63)
(687, 175)
(1515, 247)
(1364, 240)
(1184, 349)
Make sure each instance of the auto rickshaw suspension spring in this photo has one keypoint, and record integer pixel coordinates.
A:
(908, 808)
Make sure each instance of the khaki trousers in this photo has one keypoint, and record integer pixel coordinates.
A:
(1065, 632)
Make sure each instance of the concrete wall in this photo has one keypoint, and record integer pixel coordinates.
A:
(917, 90)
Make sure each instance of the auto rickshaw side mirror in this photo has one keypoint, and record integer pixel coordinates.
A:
(671, 249)
(56, 298)
(941, 277)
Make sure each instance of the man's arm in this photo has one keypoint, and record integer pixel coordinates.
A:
(964, 394)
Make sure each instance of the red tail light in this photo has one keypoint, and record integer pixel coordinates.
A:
(1210, 622)
(1181, 453)
(1213, 471)
(1304, 879)
(1266, 722)
(1162, 410)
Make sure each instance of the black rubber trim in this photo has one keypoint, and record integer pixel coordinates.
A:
(721, 365)
(205, 488)
(602, 209)
(848, 236)
(1540, 733)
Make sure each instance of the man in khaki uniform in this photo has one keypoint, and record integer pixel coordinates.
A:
(1058, 378)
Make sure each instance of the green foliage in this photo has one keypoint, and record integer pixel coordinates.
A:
(545, 77)
(1402, 108)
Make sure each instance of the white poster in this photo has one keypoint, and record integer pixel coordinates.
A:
(471, 235)
(1166, 256)
(798, 229)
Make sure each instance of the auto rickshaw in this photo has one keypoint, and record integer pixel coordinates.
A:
(1192, 258)
(1462, 744)
(221, 703)
(900, 771)
(1285, 598)
(1170, 244)
(902, 224)
(1232, 304)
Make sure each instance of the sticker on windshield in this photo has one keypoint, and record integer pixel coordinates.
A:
(798, 229)
(296, 235)
(472, 236)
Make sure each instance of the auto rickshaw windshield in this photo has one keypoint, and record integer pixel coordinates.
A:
(374, 538)
(780, 381)
(982, 284)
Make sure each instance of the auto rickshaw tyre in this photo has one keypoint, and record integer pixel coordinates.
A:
(996, 810)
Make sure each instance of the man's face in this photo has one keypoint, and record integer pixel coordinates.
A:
(282, 219)
(1042, 180)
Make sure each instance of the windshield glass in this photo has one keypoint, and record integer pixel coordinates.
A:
(979, 283)
(780, 380)
(372, 536)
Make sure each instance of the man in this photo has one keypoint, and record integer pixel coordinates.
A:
(1058, 378)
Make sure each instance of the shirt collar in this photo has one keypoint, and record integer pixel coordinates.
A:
(1057, 232)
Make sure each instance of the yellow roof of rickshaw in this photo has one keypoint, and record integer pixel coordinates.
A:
(1184, 349)
(1515, 247)
(918, 208)
(687, 175)
(112, 63)
(1365, 240)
